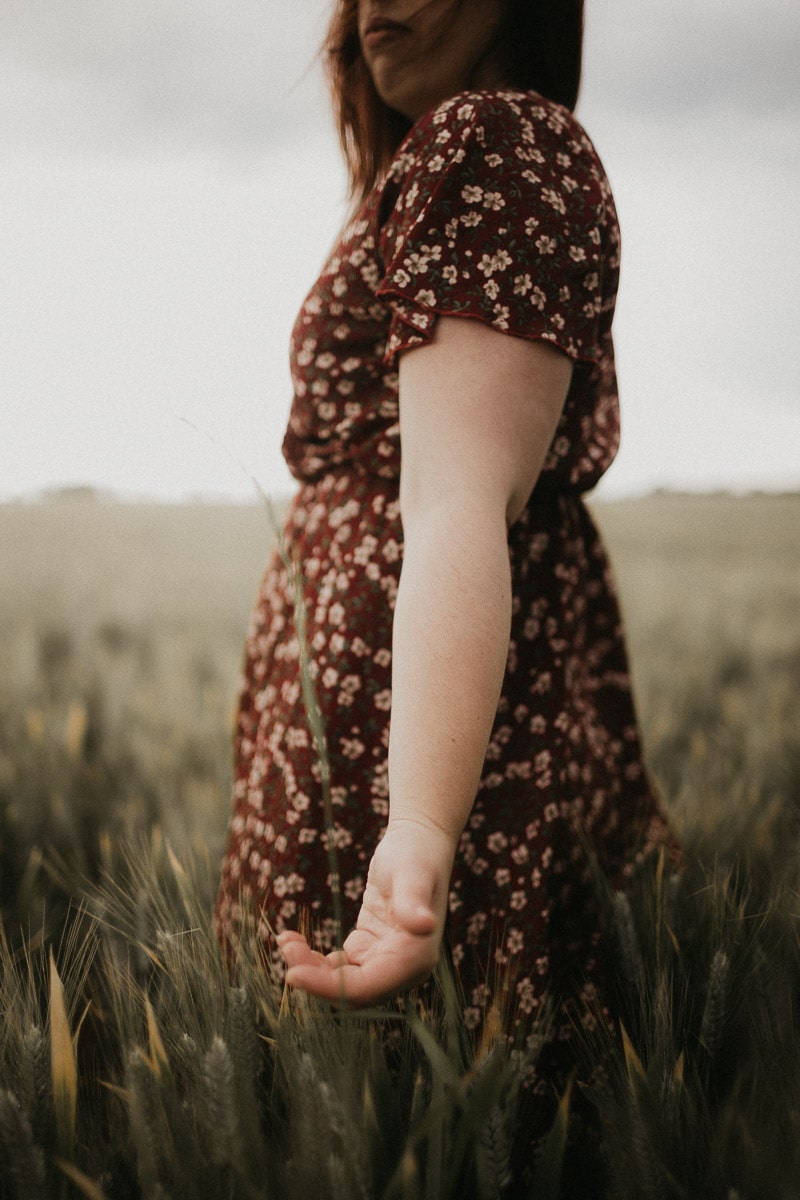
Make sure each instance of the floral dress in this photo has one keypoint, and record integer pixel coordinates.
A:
(495, 208)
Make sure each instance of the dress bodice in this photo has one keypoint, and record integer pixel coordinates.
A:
(496, 207)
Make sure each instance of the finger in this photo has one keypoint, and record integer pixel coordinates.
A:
(290, 935)
(336, 977)
(356, 985)
(319, 979)
(298, 952)
(296, 943)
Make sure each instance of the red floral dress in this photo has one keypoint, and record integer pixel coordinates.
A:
(495, 208)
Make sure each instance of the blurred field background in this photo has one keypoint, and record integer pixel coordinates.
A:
(121, 629)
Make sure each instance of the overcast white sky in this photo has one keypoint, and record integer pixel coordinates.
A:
(171, 183)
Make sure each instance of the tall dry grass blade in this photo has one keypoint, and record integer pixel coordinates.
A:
(636, 1072)
(550, 1164)
(679, 1070)
(317, 724)
(63, 1066)
(491, 1033)
(88, 1187)
(418, 1098)
(158, 1055)
(628, 948)
(673, 939)
(368, 1114)
(409, 1175)
(405, 1184)
(436, 1151)
(441, 1066)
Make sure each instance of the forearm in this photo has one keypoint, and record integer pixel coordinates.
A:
(450, 644)
(451, 630)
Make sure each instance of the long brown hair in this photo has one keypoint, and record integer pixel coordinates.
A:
(544, 50)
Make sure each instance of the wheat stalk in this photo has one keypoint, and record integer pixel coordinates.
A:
(218, 1112)
(147, 1122)
(715, 1006)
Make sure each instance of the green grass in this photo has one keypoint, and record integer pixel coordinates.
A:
(158, 1075)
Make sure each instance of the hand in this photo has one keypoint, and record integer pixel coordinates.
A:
(396, 941)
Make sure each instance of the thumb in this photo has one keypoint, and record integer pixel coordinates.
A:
(413, 909)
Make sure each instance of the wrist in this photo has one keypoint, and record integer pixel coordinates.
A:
(424, 841)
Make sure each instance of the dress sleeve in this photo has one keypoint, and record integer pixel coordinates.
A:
(500, 211)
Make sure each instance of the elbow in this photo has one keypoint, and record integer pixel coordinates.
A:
(476, 502)
(451, 512)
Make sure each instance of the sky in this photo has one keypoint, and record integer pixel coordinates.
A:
(171, 184)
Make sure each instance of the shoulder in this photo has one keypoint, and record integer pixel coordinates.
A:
(497, 207)
(505, 127)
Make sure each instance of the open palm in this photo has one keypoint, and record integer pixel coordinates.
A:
(396, 941)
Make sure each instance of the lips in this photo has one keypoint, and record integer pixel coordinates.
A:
(380, 29)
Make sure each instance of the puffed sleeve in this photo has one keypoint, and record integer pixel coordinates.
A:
(499, 210)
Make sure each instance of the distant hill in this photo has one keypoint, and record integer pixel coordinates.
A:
(76, 493)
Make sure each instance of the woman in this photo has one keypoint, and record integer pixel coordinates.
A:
(465, 313)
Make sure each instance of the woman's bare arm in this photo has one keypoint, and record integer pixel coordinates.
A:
(478, 410)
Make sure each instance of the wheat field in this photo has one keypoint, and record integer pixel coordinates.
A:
(131, 1065)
